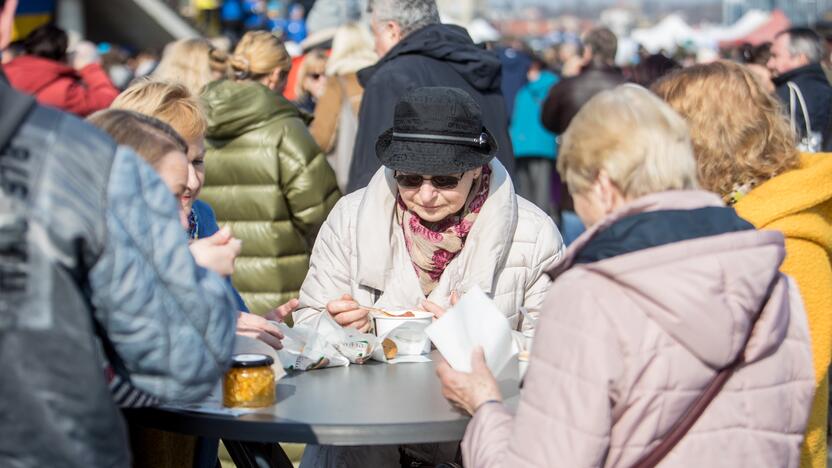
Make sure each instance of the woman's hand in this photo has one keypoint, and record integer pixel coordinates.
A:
(436, 309)
(257, 327)
(280, 313)
(218, 252)
(469, 390)
(349, 314)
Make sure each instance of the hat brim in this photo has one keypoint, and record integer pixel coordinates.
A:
(429, 158)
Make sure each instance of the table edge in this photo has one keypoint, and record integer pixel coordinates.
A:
(248, 428)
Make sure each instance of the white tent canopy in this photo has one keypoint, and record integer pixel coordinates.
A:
(673, 31)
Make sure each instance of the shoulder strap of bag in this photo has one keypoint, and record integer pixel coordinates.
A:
(794, 90)
(695, 410)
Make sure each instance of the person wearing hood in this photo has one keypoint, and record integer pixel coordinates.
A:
(265, 177)
(666, 295)
(795, 62)
(415, 50)
(745, 152)
(43, 71)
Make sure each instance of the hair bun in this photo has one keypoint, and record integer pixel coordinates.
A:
(241, 66)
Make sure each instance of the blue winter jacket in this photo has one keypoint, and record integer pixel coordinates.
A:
(528, 136)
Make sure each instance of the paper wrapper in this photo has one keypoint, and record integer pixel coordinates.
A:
(474, 321)
(327, 344)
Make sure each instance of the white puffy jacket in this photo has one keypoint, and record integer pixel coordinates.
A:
(360, 251)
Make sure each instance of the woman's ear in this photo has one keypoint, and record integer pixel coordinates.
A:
(608, 193)
(276, 81)
(477, 173)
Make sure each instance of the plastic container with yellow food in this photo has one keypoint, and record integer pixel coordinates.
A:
(250, 382)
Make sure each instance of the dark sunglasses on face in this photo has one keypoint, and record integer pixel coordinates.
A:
(439, 182)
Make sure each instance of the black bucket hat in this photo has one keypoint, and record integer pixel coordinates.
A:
(436, 131)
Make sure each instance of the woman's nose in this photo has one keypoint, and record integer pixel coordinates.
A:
(427, 192)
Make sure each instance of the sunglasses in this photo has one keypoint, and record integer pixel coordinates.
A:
(415, 181)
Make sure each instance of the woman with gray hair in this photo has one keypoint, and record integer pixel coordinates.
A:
(668, 326)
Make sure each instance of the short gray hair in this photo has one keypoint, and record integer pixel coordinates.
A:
(410, 15)
(805, 41)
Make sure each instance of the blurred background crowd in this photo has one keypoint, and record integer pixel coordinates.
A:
(340, 80)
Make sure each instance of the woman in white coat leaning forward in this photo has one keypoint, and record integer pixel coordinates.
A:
(439, 218)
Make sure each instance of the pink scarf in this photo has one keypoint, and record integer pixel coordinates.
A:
(432, 246)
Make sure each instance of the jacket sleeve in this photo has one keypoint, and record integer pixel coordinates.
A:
(575, 372)
(307, 179)
(375, 116)
(329, 267)
(327, 112)
(94, 93)
(548, 251)
(171, 322)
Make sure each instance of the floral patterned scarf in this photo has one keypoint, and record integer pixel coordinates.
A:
(432, 246)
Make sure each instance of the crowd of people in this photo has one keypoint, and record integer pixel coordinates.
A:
(668, 227)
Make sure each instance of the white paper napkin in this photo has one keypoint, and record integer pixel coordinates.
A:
(474, 321)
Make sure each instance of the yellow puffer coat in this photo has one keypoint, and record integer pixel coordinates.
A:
(799, 204)
(267, 179)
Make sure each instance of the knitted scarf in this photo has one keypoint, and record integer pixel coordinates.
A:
(432, 246)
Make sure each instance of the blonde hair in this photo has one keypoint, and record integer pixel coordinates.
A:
(186, 61)
(313, 63)
(171, 103)
(352, 50)
(151, 138)
(257, 55)
(740, 135)
(632, 135)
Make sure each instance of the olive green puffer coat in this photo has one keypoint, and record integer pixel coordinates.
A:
(267, 179)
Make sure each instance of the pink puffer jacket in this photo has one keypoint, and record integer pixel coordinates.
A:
(625, 344)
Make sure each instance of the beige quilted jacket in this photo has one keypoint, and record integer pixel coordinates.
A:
(625, 344)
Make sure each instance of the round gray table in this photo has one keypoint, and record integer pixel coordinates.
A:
(370, 404)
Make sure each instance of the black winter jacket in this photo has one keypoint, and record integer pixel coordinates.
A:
(568, 96)
(436, 55)
(816, 92)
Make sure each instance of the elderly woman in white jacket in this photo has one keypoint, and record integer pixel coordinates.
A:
(439, 218)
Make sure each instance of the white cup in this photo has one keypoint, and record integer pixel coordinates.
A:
(412, 340)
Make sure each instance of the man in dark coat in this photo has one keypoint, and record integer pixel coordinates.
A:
(795, 58)
(598, 74)
(416, 51)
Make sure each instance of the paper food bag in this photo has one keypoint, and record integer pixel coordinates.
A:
(474, 321)
(307, 349)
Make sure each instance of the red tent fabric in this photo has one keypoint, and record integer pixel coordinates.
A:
(777, 22)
